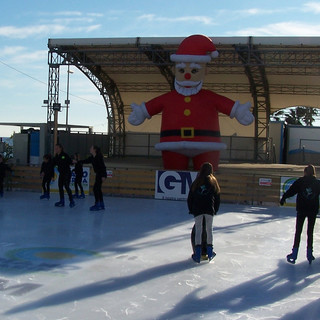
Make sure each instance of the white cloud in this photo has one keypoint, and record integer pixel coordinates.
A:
(199, 19)
(312, 7)
(43, 30)
(68, 13)
(281, 29)
(9, 51)
(29, 31)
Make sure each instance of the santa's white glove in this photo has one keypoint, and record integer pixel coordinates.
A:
(138, 114)
(242, 113)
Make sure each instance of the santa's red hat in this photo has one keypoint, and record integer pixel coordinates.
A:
(195, 48)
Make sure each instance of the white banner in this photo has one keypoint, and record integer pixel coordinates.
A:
(173, 185)
(85, 180)
(285, 184)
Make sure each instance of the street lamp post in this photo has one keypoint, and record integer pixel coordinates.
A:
(56, 108)
(67, 102)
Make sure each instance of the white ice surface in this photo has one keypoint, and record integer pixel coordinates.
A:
(143, 269)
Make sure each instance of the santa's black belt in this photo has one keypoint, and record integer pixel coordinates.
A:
(189, 133)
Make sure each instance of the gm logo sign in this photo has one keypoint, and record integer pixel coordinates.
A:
(174, 185)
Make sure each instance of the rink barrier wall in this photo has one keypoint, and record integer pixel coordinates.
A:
(237, 186)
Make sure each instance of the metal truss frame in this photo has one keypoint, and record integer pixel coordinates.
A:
(106, 86)
(259, 88)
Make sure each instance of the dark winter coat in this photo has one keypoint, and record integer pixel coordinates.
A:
(78, 169)
(3, 168)
(63, 162)
(47, 169)
(203, 200)
(307, 190)
(97, 164)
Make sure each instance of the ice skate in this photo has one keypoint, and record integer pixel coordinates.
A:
(72, 204)
(45, 196)
(310, 256)
(211, 254)
(292, 257)
(59, 203)
(197, 255)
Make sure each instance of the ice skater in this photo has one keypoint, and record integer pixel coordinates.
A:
(63, 162)
(3, 168)
(78, 170)
(47, 174)
(307, 189)
(96, 159)
(203, 203)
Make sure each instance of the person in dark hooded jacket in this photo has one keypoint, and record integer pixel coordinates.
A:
(307, 189)
(3, 168)
(63, 162)
(96, 159)
(203, 203)
(47, 174)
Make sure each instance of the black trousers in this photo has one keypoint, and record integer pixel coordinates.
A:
(301, 216)
(97, 189)
(64, 182)
(46, 185)
(78, 184)
(1, 184)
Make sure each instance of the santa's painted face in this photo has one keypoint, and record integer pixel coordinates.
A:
(189, 77)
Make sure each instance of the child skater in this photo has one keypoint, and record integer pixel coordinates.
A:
(47, 173)
(96, 159)
(63, 162)
(78, 170)
(3, 168)
(307, 189)
(203, 203)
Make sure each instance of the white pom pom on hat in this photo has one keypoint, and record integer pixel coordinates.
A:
(195, 48)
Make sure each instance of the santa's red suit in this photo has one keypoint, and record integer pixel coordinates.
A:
(190, 125)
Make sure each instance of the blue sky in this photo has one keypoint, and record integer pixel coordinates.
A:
(26, 26)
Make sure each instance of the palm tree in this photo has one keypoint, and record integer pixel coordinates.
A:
(302, 116)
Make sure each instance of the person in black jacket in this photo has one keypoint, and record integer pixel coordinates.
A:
(63, 162)
(96, 159)
(78, 170)
(204, 202)
(307, 189)
(47, 173)
(3, 168)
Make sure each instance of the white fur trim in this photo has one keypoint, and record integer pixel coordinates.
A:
(190, 148)
(190, 58)
(214, 54)
(145, 111)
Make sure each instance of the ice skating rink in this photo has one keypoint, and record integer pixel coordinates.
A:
(133, 262)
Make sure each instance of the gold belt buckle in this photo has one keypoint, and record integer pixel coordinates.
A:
(187, 133)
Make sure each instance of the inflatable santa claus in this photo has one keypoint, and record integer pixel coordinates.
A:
(190, 121)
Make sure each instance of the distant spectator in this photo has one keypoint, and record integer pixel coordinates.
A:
(78, 171)
(63, 162)
(47, 174)
(96, 159)
(3, 168)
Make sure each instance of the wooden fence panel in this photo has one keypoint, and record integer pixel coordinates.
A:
(237, 186)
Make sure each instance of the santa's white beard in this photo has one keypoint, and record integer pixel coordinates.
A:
(188, 88)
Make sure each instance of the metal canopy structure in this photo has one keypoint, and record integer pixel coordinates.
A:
(271, 72)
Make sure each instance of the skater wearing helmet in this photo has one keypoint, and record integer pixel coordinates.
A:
(203, 203)
(307, 189)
